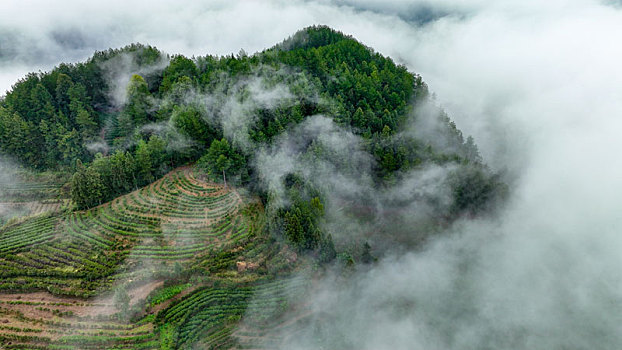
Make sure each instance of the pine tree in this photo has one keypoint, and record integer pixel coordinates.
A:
(327, 250)
(87, 189)
(366, 257)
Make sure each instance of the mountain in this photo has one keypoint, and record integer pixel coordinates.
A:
(173, 202)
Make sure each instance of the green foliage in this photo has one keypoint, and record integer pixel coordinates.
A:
(122, 300)
(192, 229)
(397, 153)
(476, 190)
(145, 162)
(189, 121)
(87, 189)
(300, 220)
(117, 172)
(167, 293)
(221, 158)
(63, 84)
(137, 111)
(370, 90)
(19, 137)
(346, 259)
(44, 109)
(47, 120)
(179, 67)
(123, 172)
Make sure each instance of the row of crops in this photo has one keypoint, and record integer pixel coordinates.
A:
(23, 194)
(234, 316)
(176, 219)
(56, 328)
(177, 224)
(18, 185)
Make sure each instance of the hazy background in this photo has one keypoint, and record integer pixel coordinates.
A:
(539, 86)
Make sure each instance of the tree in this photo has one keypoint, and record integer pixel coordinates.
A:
(42, 106)
(157, 153)
(301, 223)
(70, 147)
(144, 163)
(189, 121)
(471, 151)
(16, 136)
(366, 256)
(122, 300)
(386, 132)
(475, 190)
(294, 230)
(87, 189)
(327, 250)
(63, 84)
(221, 157)
(81, 112)
(136, 110)
(50, 143)
(86, 123)
(149, 159)
(179, 67)
(122, 173)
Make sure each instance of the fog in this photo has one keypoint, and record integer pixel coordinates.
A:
(537, 85)
(334, 161)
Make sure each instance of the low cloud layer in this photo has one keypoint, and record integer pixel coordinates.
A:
(335, 161)
(536, 84)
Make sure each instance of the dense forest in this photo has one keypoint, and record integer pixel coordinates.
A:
(126, 117)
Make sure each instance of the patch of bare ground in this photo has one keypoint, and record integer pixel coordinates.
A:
(42, 314)
(141, 293)
(41, 304)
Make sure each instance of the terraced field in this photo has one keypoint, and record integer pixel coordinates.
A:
(24, 194)
(276, 311)
(240, 317)
(19, 209)
(207, 243)
(42, 321)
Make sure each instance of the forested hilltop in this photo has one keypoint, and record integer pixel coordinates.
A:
(192, 199)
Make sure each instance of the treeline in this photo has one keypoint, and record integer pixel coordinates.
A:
(65, 111)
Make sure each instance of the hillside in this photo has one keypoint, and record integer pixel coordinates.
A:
(177, 226)
(24, 193)
(158, 201)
